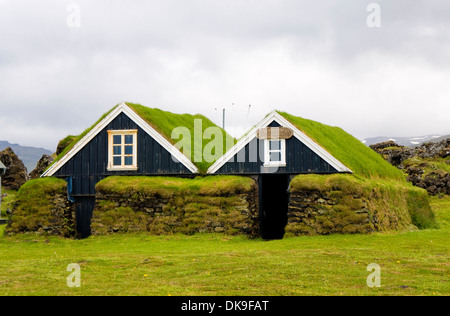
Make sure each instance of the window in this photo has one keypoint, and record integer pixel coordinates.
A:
(122, 150)
(275, 152)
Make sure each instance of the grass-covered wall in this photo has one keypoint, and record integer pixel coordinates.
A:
(345, 204)
(167, 205)
(41, 206)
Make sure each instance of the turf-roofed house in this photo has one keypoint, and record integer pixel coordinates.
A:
(274, 151)
(129, 140)
(318, 179)
(139, 169)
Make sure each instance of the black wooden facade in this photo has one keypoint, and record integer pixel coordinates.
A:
(89, 165)
(300, 159)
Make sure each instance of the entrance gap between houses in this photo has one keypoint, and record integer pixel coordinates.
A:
(274, 200)
(85, 207)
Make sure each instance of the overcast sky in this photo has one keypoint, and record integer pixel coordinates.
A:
(62, 65)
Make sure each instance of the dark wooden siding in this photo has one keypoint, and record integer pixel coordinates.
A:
(89, 165)
(84, 211)
(299, 159)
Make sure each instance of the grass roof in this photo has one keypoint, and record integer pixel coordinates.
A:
(165, 122)
(71, 140)
(362, 160)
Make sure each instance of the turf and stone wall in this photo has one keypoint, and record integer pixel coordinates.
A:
(42, 207)
(322, 205)
(163, 205)
(319, 205)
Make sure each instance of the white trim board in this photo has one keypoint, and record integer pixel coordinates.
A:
(274, 116)
(122, 108)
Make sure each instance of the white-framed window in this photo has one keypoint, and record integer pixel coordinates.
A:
(122, 150)
(275, 152)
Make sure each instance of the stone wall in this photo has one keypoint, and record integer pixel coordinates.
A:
(42, 207)
(319, 213)
(343, 204)
(176, 213)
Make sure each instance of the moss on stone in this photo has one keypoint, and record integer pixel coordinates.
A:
(169, 186)
(162, 205)
(41, 206)
(347, 204)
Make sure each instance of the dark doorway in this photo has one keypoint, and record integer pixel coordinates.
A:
(274, 199)
(85, 209)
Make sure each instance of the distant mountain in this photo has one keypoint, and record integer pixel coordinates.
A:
(406, 141)
(29, 155)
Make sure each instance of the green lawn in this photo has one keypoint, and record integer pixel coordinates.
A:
(412, 263)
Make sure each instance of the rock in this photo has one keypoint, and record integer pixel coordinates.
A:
(393, 153)
(64, 143)
(41, 166)
(16, 174)
(430, 150)
(383, 145)
(435, 182)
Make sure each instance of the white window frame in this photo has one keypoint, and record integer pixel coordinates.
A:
(268, 151)
(122, 167)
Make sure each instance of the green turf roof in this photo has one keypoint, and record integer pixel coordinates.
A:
(164, 122)
(362, 160)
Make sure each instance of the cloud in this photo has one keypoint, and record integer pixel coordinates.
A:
(318, 60)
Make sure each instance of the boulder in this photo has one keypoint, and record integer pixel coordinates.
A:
(63, 143)
(393, 153)
(41, 166)
(383, 145)
(16, 174)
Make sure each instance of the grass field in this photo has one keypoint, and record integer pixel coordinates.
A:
(412, 263)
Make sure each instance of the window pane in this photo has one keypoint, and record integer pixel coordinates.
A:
(117, 161)
(128, 161)
(275, 145)
(117, 139)
(128, 150)
(117, 150)
(275, 156)
(128, 139)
